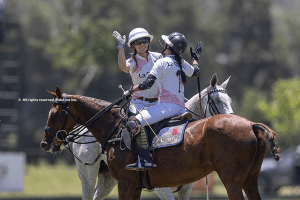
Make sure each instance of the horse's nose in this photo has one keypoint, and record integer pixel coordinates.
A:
(43, 144)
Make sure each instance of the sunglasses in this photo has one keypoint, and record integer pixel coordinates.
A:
(141, 41)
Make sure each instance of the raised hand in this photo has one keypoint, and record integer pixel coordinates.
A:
(196, 54)
(121, 40)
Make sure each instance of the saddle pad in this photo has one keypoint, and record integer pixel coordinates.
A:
(169, 135)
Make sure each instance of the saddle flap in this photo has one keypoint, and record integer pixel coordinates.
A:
(169, 133)
(127, 141)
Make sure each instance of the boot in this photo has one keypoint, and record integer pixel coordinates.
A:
(144, 161)
(139, 136)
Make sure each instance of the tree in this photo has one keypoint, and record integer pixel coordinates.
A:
(283, 111)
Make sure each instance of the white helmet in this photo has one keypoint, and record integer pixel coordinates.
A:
(138, 33)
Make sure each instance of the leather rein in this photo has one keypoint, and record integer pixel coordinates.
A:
(64, 116)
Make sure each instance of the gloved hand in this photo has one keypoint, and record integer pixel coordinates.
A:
(196, 54)
(127, 94)
(121, 40)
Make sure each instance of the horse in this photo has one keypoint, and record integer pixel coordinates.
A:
(214, 100)
(229, 144)
(84, 148)
(88, 167)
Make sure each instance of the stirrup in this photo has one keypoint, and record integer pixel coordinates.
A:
(135, 166)
(149, 166)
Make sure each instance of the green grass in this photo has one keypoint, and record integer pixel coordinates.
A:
(61, 180)
(45, 180)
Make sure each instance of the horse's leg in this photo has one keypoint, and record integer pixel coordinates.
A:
(251, 184)
(105, 185)
(164, 193)
(106, 182)
(88, 176)
(127, 188)
(185, 192)
(234, 191)
(233, 177)
(137, 194)
(251, 188)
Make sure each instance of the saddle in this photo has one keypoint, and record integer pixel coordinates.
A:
(179, 122)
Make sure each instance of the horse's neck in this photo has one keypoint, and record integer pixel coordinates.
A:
(194, 105)
(88, 107)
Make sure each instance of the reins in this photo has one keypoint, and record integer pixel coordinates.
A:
(79, 128)
(89, 164)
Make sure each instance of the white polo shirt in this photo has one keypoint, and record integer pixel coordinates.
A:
(167, 71)
(139, 74)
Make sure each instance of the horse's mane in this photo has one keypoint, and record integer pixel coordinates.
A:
(91, 102)
(92, 106)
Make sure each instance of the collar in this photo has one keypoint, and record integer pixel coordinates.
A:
(141, 57)
(170, 55)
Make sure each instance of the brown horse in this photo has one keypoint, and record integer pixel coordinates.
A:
(231, 145)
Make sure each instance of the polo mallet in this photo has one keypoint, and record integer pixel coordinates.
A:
(120, 86)
(201, 115)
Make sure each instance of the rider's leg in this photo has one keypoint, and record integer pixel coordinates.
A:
(158, 112)
(139, 137)
(148, 116)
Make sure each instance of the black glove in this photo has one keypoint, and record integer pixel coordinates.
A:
(127, 94)
(196, 54)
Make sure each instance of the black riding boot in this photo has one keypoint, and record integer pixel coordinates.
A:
(138, 134)
(144, 161)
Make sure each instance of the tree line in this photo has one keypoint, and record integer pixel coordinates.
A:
(69, 43)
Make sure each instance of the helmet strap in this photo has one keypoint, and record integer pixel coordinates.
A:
(163, 51)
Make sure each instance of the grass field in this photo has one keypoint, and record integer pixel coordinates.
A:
(61, 180)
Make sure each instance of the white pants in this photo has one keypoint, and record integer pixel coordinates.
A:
(159, 112)
(140, 105)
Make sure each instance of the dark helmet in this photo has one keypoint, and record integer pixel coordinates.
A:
(177, 41)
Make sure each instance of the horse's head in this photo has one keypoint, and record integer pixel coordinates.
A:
(59, 124)
(215, 99)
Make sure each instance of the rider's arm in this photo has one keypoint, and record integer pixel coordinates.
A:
(146, 84)
(123, 65)
(196, 69)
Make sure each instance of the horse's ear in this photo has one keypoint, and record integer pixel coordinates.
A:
(58, 92)
(223, 85)
(52, 94)
(214, 80)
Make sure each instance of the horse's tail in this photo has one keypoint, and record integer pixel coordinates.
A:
(270, 135)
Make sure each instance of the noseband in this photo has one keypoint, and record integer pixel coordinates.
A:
(64, 117)
(213, 109)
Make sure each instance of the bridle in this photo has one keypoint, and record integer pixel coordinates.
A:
(212, 108)
(64, 116)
